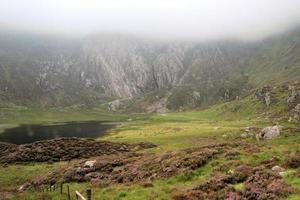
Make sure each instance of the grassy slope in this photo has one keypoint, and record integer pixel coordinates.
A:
(170, 132)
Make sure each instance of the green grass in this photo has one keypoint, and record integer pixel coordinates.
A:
(171, 131)
(16, 175)
(161, 188)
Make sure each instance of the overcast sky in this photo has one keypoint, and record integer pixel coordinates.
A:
(201, 19)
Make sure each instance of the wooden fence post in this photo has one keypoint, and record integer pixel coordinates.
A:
(61, 188)
(69, 196)
(89, 194)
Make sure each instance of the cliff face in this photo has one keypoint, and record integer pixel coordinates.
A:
(55, 71)
(127, 67)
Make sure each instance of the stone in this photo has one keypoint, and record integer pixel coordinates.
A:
(267, 98)
(24, 187)
(297, 108)
(264, 94)
(282, 174)
(294, 97)
(277, 168)
(89, 163)
(268, 133)
(114, 105)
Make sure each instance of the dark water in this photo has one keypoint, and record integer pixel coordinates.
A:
(30, 133)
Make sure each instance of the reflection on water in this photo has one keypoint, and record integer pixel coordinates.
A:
(31, 132)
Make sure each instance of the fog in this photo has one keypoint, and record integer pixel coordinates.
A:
(187, 19)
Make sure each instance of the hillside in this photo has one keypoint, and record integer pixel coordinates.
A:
(190, 151)
(48, 71)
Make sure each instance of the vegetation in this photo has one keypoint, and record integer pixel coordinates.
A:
(170, 131)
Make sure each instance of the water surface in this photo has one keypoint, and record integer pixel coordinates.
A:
(35, 132)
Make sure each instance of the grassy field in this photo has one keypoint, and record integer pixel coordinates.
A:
(171, 131)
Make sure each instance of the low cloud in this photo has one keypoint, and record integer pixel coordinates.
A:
(184, 19)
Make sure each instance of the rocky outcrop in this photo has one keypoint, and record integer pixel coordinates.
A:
(294, 97)
(61, 71)
(102, 68)
(264, 94)
(293, 102)
(269, 133)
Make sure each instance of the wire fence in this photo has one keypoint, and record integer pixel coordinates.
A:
(66, 191)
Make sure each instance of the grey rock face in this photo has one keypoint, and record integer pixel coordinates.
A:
(294, 98)
(114, 105)
(269, 133)
(101, 68)
(296, 112)
(113, 65)
(264, 94)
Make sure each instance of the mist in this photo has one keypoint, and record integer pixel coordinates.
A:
(175, 19)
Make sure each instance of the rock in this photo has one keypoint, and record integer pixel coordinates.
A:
(268, 98)
(294, 97)
(282, 174)
(296, 113)
(114, 105)
(278, 169)
(268, 133)
(24, 187)
(247, 129)
(89, 163)
(297, 108)
(264, 94)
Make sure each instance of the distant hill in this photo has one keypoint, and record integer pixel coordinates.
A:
(148, 75)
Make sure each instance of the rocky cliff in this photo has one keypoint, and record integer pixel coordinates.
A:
(98, 68)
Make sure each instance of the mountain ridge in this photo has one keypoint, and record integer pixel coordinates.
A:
(98, 69)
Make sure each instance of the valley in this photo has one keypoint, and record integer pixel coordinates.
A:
(192, 152)
(149, 100)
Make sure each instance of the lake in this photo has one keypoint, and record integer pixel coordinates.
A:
(35, 132)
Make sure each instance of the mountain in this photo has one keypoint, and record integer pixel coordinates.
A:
(142, 74)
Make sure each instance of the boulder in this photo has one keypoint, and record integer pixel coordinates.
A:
(89, 164)
(276, 168)
(114, 105)
(246, 135)
(294, 97)
(24, 187)
(269, 133)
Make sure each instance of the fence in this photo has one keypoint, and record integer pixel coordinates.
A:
(78, 195)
